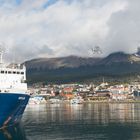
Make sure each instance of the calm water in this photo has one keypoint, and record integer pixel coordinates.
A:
(89, 121)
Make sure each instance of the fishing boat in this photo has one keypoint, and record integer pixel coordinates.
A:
(13, 93)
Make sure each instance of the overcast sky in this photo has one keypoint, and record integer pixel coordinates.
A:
(52, 28)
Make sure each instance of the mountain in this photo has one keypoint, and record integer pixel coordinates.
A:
(118, 57)
(75, 68)
(61, 62)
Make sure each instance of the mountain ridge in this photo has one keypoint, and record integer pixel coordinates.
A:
(74, 68)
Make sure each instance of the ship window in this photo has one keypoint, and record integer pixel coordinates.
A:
(2, 71)
(5, 71)
(18, 72)
(14, 72)
(9, 71)
(22, 72)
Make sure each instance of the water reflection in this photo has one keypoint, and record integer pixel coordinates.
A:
(89, 112)
(85, 121)
(15, 132)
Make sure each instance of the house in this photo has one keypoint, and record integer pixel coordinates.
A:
(119, 97)
(103, 93)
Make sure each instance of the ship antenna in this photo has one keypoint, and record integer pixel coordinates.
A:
(1, 55)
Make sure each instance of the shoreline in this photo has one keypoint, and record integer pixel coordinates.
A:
(111, 102)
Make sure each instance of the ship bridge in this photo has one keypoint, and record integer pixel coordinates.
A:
(13, 79)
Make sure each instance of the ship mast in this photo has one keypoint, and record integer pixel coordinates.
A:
(1, 55)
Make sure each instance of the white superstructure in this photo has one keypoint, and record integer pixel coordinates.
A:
(12, 79)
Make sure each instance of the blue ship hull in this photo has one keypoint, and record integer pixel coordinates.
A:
(12, 106)
(15, 132)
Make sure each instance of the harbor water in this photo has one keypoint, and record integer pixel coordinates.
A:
(87, 121)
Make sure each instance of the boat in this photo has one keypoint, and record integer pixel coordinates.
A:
(37, 100)
(54, 100)
(77, 100)
(13, 93)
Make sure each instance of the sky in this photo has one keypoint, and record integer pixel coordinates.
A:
(55, 28)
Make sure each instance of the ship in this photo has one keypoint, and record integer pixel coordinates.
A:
(13, 93)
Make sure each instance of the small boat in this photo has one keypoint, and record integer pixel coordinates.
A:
(77, 100)
(54, 100)
(36, 100)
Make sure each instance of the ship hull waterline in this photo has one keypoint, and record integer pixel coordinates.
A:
(12, 106)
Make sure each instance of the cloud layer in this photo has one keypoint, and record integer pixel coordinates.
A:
(51, 28)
